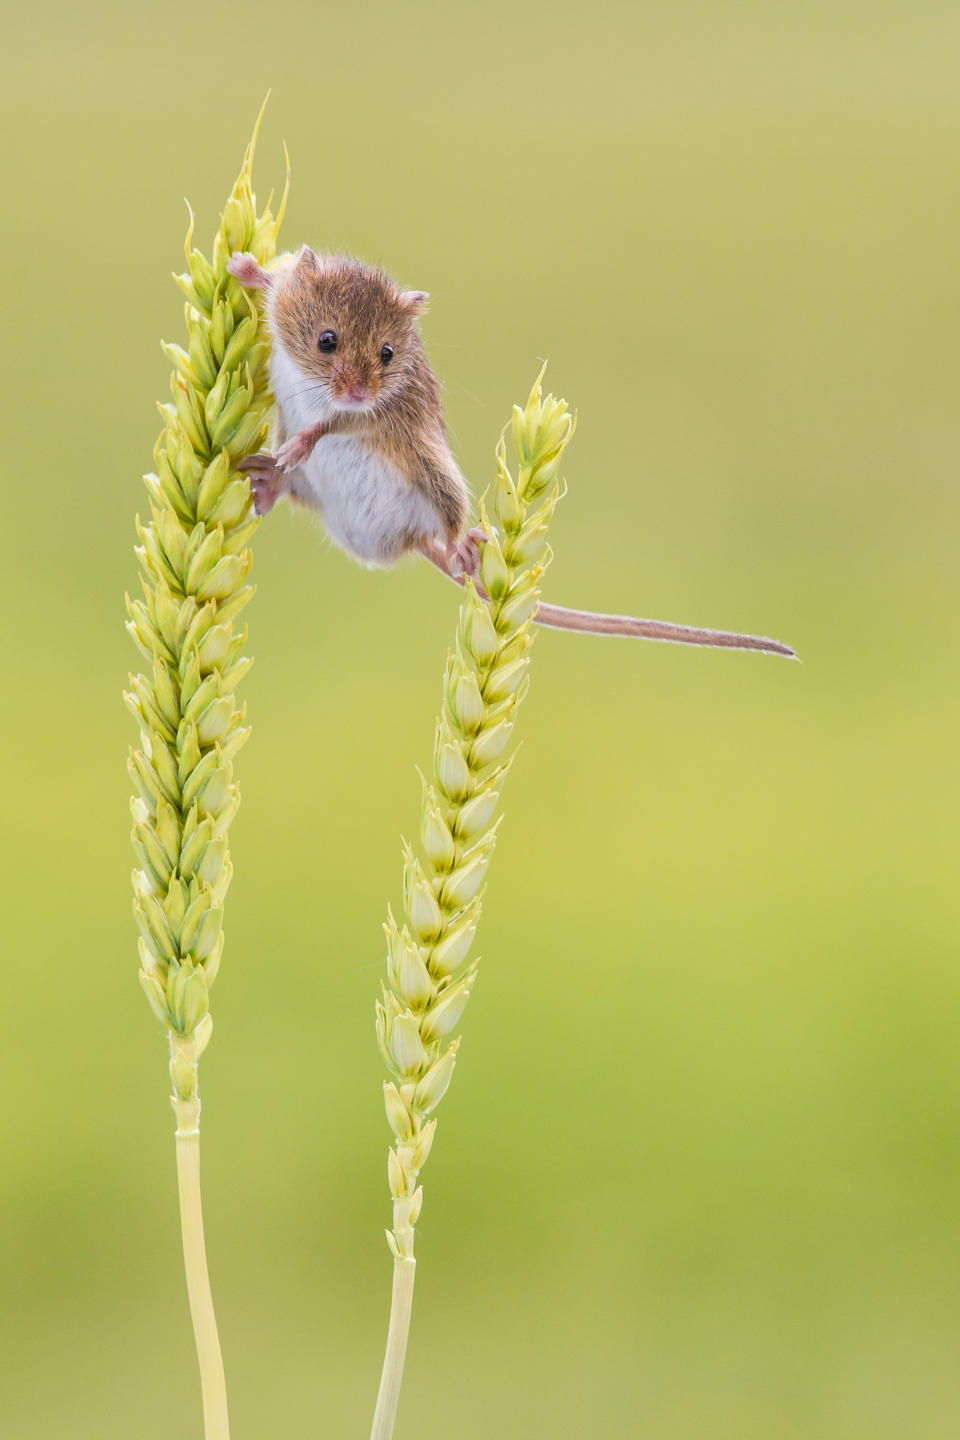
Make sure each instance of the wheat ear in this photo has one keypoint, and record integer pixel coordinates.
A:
(194, 564)
(429, 975)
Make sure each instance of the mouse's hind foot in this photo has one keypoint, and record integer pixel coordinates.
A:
(463, 554)
(267, 481)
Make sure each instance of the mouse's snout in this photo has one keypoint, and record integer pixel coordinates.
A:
(352, 385)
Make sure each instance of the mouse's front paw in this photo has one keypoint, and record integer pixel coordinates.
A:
(299, 447)
(266, 480)
(291, 452)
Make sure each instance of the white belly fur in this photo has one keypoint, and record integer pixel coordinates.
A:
(367, 507)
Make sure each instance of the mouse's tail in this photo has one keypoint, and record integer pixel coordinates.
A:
(589, 622)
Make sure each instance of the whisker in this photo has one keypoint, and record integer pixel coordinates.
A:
(311, 385)
(313, 388)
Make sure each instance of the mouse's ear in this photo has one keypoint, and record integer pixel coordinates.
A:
(414, 300)
(308, 261)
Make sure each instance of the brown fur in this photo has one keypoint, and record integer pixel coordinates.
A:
(367, 310)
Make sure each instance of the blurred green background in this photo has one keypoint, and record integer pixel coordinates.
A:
(699, 1171)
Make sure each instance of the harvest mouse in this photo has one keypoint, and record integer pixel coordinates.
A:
(361, 434)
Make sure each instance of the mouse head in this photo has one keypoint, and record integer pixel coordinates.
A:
(348, 326)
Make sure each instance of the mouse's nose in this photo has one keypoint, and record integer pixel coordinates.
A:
(357, 394)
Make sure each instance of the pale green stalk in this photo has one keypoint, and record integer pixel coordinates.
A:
(429, 976)
(194, 562)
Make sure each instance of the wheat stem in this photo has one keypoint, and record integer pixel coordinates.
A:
(401, 1305)
(216, 1425)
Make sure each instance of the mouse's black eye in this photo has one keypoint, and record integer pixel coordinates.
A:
(386, 354)
(327, 342)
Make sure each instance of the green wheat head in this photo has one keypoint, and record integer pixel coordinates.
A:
(429, 975)
(194, 565)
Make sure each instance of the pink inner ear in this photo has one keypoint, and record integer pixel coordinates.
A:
(415, 300)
